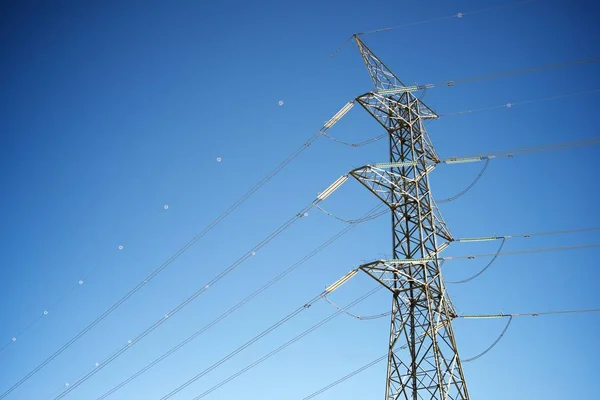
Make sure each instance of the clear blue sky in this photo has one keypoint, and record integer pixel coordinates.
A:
(111, 110)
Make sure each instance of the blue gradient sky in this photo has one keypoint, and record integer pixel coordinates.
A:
(111, 110)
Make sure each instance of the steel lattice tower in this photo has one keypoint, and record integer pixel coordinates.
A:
(423, 360)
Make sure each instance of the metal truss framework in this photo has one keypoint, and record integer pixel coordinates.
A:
(428, 365)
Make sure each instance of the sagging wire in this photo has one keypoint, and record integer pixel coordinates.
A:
(483, 353)
(510, 318)
(358, 220)
(469, 187)
(484, 268)
(504, 238)
(359, 317)
(359, 144)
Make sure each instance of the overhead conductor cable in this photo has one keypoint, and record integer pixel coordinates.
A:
(285, 345)
(182, 250)
(240, 304)
(307, 305)
(202, 289)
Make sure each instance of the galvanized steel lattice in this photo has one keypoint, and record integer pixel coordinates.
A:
(423, 360)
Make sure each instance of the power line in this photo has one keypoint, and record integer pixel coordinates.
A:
(207, 229)
(353, 373)
(182, 250)
(264, 333)
(67, 384)
(346, 377)
(236, 307)
(154, 273)
(49, 310)
(285, 345)
(322, 196)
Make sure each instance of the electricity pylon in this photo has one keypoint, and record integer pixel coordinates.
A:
(423, 360)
